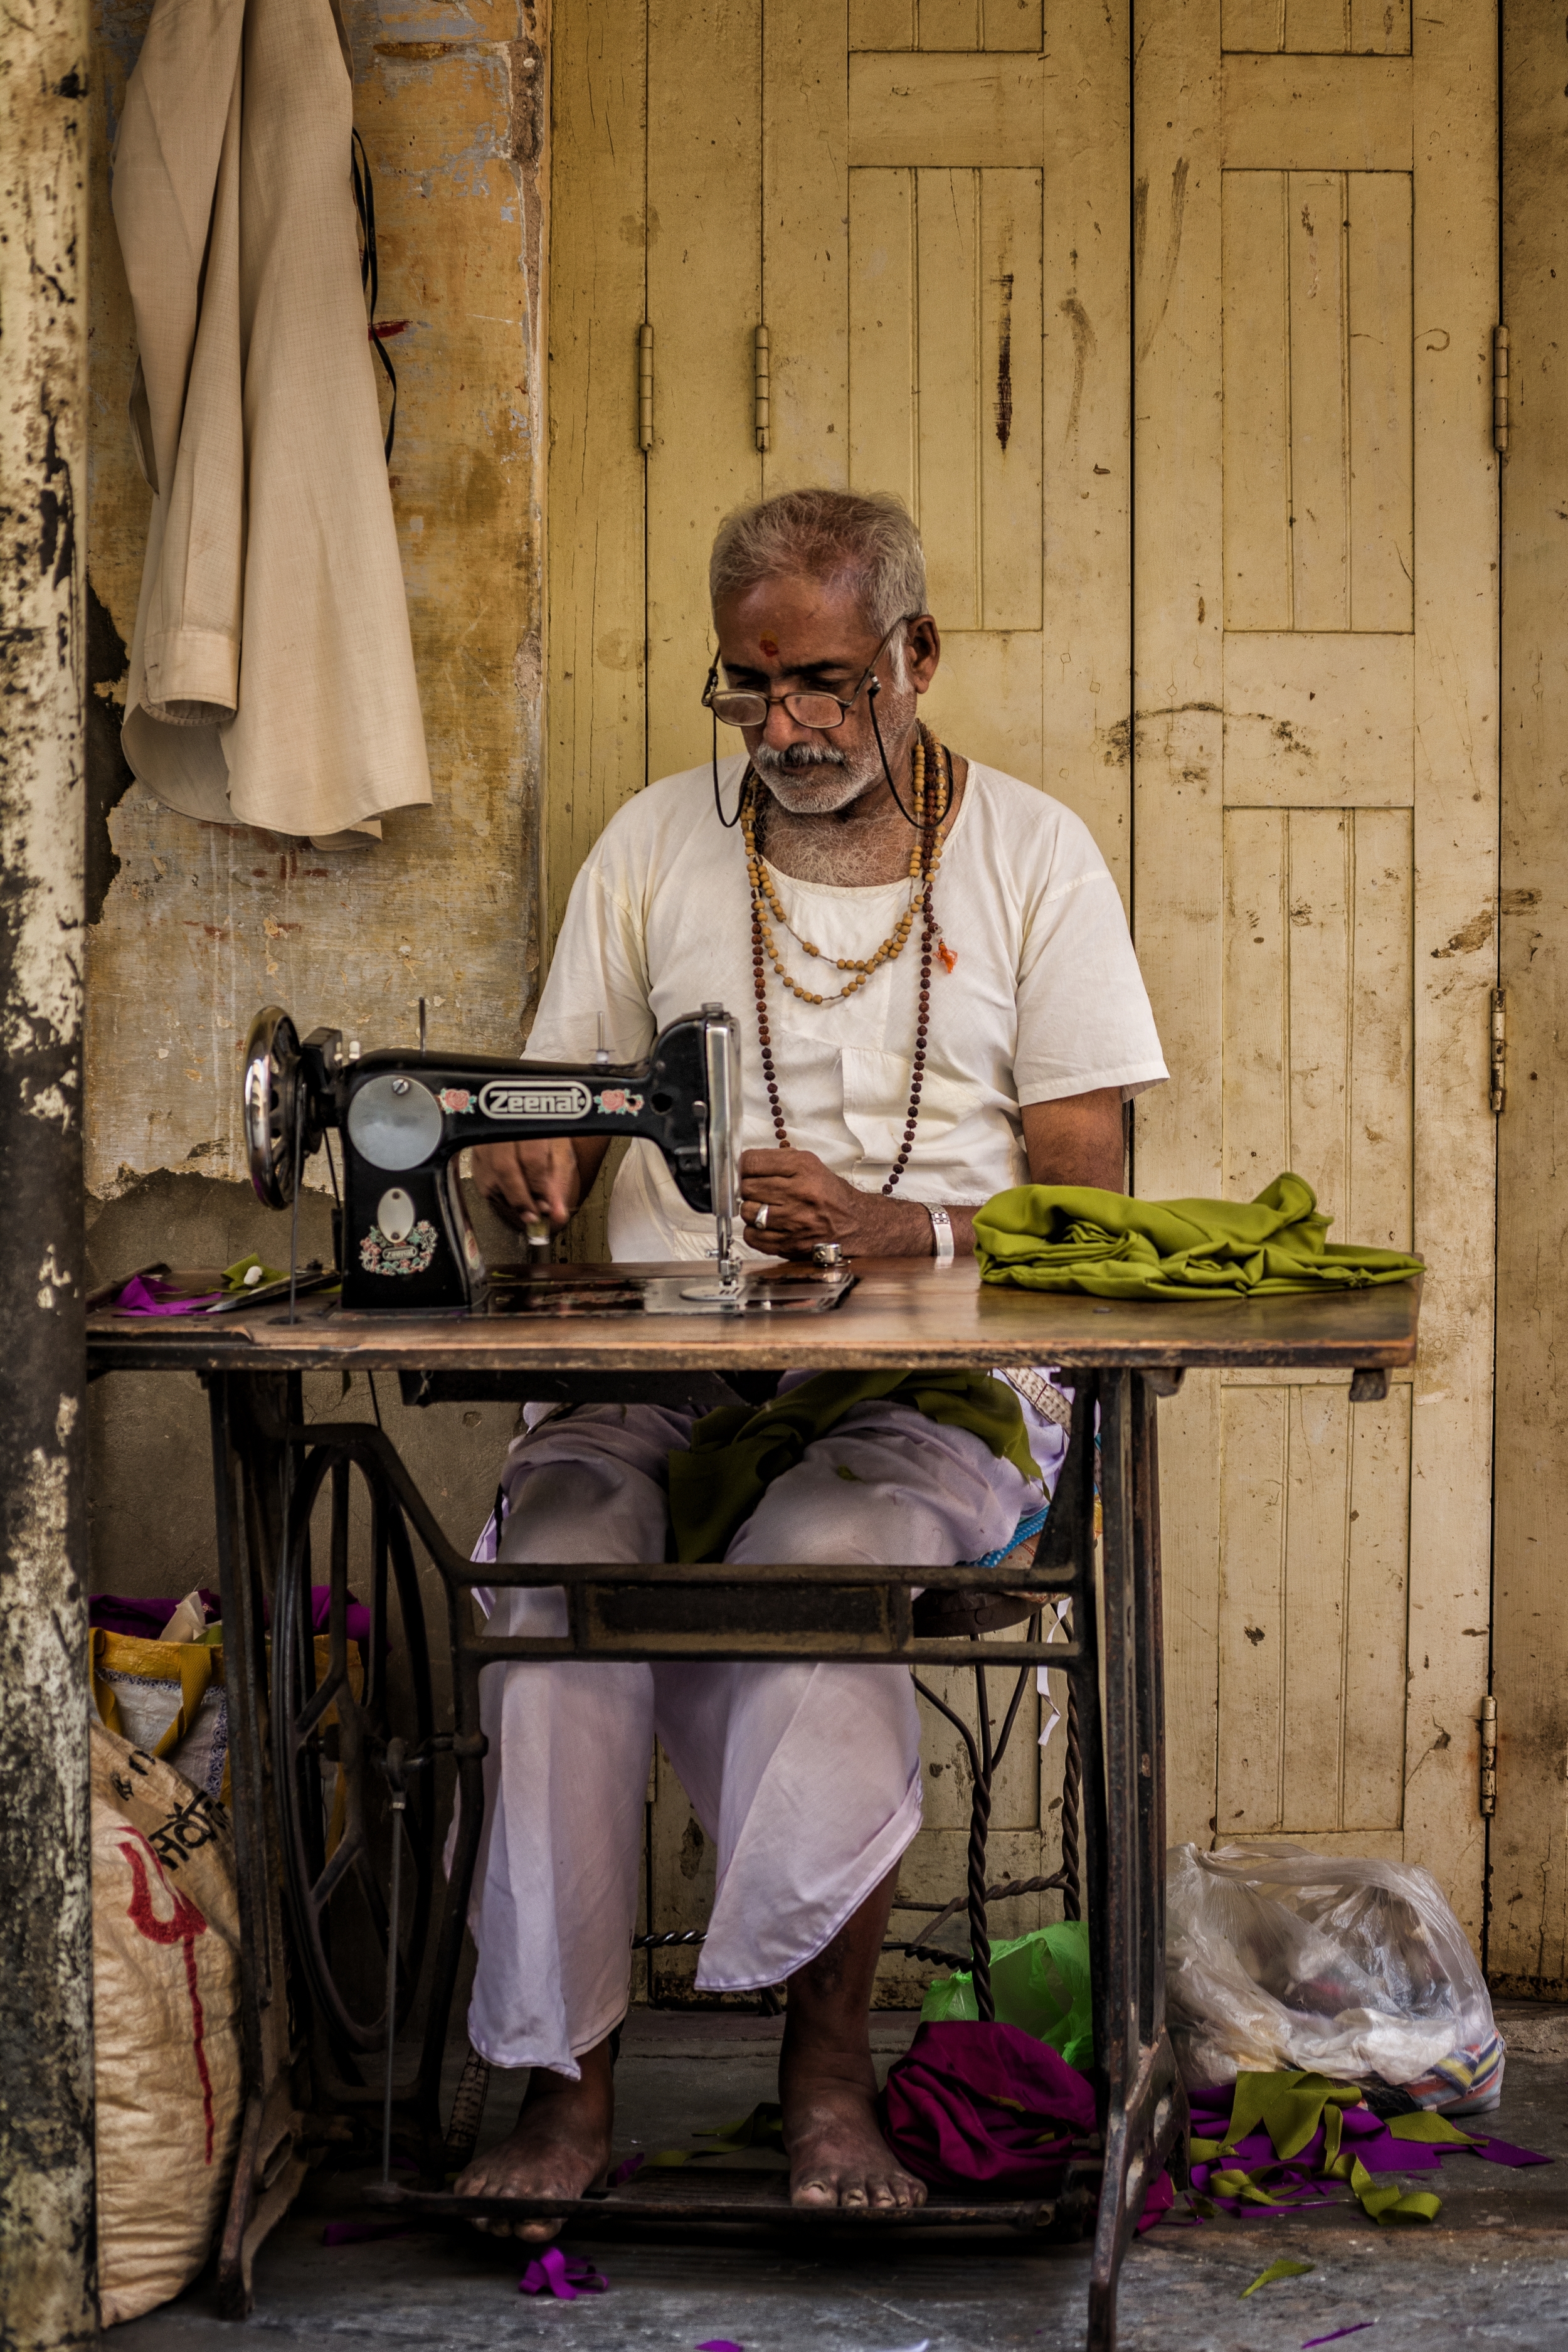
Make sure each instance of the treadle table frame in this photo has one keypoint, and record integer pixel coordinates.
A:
(1120, 1357)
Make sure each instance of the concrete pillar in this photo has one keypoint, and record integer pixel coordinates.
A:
(47, 2283)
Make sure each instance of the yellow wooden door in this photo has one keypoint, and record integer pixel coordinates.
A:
(926, 201)
(1527, 1950)
(1315, 750)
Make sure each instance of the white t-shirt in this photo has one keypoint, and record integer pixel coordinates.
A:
(1045, 1000)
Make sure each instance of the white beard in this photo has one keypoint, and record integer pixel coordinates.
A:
(822, 782)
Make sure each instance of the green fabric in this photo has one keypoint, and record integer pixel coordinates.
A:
(1283, 2268)
(1039, 1981)
(1288, 2107)
(1073, 1238)
(1434, 2130)
(234, 1275)
(763, 2128)
(736, 1453)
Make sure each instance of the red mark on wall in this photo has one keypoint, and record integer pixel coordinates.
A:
(184, 1927)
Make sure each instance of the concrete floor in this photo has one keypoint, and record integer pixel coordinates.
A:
(1493, 2269)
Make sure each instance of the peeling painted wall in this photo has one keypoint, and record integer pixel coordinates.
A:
(195, 926)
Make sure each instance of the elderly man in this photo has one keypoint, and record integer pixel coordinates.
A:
(938, 999)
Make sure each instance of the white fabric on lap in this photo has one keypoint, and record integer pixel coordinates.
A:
(806, 1776)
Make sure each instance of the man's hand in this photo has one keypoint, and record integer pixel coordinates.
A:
(806, 1203)
(548, 1179)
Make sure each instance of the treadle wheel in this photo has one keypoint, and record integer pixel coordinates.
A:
(272, 1104)
(334, 1818)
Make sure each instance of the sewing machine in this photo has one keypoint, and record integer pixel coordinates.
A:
(403, 1239)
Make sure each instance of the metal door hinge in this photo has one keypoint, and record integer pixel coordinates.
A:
(1500, 1048)
(761, 343)
(1489, 1757)
(1500, 340)
(645, 387)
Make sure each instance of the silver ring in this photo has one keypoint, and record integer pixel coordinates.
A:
(761, 1218)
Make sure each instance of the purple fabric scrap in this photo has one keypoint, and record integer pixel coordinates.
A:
(719, 2344)
(972, 2104)
(1298, 2181)
(119, 1612)
(624, 2171)
(567, 2276)
(1502, 2151)
(139, 1297)
(1353, 2329)
(123, 1612)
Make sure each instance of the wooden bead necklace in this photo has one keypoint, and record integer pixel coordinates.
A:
(924, 860)
(765, 898)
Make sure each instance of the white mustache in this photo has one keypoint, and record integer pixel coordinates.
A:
(794, 757)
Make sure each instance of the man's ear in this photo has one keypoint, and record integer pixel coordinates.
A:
(923, 652)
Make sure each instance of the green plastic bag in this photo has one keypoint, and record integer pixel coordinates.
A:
(1039, 1981)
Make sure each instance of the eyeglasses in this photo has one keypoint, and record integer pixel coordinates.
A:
(743, 707)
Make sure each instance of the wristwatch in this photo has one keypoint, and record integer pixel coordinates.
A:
(941, 1232)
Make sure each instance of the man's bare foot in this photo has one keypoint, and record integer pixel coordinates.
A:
(837, 2154)
(828, 2084)
(560, 2145)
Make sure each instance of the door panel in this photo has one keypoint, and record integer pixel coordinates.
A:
(1301, 27)
(1317, 417)
(1316, 723)
(886, 215)
(931, 214)
(1528, 1945)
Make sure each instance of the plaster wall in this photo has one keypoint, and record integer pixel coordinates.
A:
(194, 927)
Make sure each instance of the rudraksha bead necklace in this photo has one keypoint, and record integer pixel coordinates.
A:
(923, 863)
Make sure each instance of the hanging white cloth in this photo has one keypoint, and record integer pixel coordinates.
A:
(272, 678)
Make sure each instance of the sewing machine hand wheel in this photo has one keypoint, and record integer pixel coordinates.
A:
(274, 1103)
(328, 1740)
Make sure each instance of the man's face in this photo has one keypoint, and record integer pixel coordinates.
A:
(803, 635)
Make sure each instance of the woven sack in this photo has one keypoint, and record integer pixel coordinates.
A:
(165, 1957)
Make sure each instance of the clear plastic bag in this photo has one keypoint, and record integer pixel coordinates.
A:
(1351, 1967)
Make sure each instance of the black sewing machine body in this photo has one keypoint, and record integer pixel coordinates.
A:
(403, 1117)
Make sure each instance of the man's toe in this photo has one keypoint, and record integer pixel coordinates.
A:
(813, 2192)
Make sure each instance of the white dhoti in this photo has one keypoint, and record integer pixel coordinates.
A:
(807, 1776)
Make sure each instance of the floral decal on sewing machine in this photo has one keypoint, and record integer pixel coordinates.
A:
(454, 1098)
(379, 1254)
(616, 1099)
(397, 1242)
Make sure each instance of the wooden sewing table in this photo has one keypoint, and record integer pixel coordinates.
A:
(270, 1467)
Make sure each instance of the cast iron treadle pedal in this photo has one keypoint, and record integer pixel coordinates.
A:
(757, 2198)
(843, 1618)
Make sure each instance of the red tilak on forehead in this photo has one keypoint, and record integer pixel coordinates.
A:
(770, 646)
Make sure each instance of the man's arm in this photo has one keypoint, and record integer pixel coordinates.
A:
(1077, 1140)
(547, 1179)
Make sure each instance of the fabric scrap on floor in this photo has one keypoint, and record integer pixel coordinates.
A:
(1283, 2268)
(565, 2276)
(1276, 2142)
(972, 2104)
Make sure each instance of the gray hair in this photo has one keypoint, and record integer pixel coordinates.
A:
(864, 537)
